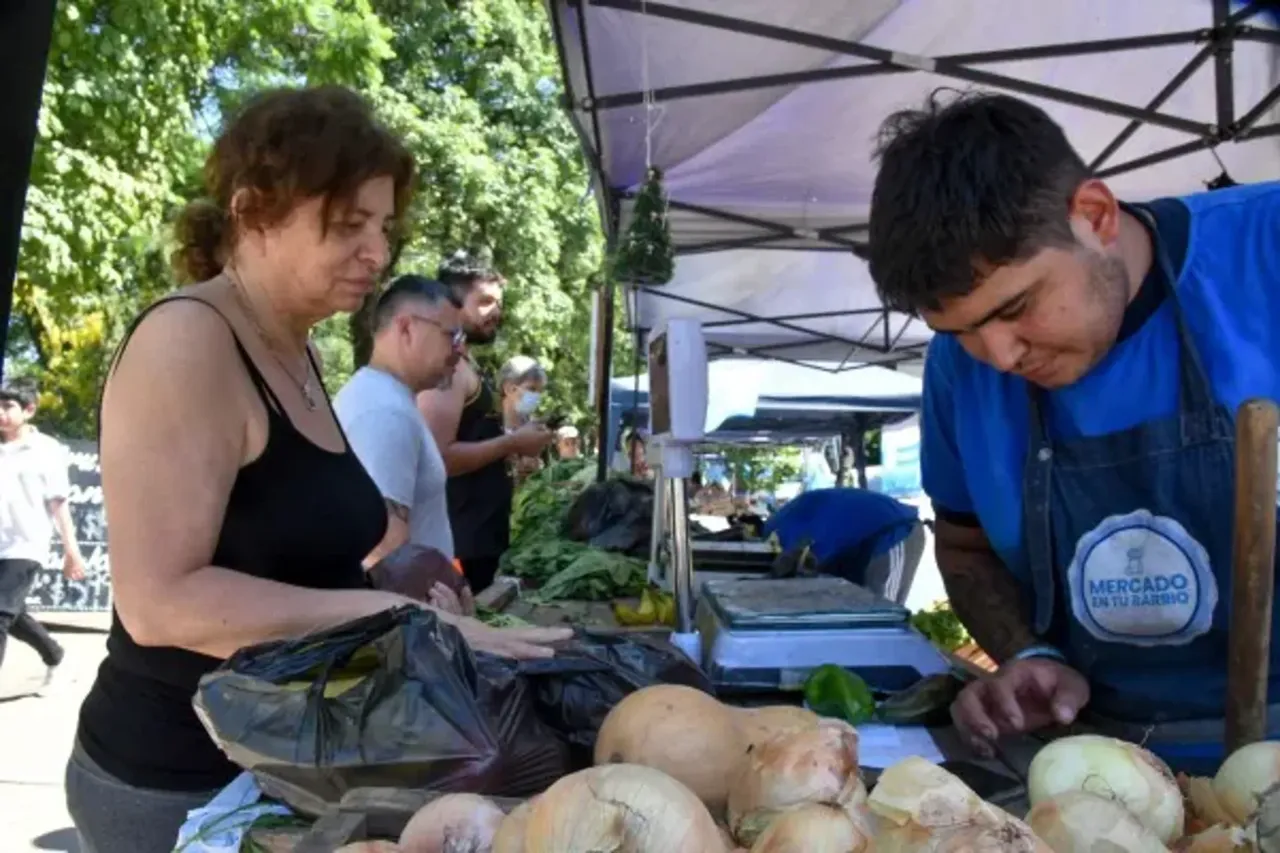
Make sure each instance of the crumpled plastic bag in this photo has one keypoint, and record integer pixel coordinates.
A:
(221, 825)
(574, 691)
(396, 699)
(616, 515)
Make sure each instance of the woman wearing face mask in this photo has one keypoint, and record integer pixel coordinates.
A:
(523, 382)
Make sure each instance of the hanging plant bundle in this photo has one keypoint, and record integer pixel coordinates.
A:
(645, 254)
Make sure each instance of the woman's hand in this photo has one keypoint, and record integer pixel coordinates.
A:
(443, 598)
(520, 643)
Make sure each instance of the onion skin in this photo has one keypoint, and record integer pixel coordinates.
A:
(620, 807)
(1244, 776)
(1112, 769)
(1080, 822)
(511, 833)
(757, 726)
(918, 792)
(1215, 839)
(454, 823)
(681, 731)
(813, 829)
(812, 766)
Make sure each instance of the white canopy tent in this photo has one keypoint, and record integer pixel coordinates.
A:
(763, 116)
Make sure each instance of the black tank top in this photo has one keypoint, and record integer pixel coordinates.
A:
(297, 514)
(480, 502)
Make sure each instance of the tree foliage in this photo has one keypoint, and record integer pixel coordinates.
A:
(137, 89)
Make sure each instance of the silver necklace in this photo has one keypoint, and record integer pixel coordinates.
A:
(304, 385)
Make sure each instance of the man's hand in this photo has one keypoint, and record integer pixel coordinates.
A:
(73, 566)
(530, 439)
(1022, 696)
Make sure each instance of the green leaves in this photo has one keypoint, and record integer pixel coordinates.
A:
(137, 89)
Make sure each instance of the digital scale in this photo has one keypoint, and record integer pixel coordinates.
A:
(756, 634)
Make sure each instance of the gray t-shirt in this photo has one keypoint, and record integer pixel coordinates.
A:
(392, 441)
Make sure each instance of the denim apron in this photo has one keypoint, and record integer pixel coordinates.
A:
(1134, 530)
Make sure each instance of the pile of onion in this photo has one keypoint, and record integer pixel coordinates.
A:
(622, 807)
(1233, 796)
(813, 766)
(921, 808)
(1081, 822)
(455, 823)
(1110, 769)
(692, 737)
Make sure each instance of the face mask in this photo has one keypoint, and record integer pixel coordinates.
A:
(528, 402)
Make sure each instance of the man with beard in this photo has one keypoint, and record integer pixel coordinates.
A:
(1077, 427)
(465, 415)
(417, 342)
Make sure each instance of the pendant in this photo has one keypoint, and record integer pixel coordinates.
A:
(309, 398)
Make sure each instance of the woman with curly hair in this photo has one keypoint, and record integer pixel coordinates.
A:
(238, 512)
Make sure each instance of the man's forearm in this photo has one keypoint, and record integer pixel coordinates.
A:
(463, 457)
(986, 599)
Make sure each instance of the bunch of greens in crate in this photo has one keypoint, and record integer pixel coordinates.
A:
(541, 553)
(543, 501)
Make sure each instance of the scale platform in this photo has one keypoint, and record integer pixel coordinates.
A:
(767, 635)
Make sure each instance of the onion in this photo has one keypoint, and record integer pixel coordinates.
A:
(1215, 839)
(919, 792)
(1244, 776)
(620, 807)
(818, 765)
(511, 832)
(1080, 822)
(1010, 837)
(756, 726)
(681, 731)
(813, 829)
(454, 823)
(1113, 769)
(1202, 803)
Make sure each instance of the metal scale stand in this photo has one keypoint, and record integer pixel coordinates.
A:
(757, 635)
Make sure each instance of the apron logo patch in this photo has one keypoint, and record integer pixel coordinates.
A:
(1142, 580)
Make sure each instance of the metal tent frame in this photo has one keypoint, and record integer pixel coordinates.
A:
(882, 342)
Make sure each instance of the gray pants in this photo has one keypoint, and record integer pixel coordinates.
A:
(113, 817)
(892, 573)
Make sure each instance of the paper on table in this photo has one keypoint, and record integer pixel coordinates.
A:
(880, 746)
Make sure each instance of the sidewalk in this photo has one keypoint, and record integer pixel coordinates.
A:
(36, 733)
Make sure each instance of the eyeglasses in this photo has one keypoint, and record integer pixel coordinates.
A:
(457, 336)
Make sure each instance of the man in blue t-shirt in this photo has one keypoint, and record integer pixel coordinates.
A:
(852, 533)
(1077, 427)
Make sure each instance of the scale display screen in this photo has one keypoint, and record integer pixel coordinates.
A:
(659, 387)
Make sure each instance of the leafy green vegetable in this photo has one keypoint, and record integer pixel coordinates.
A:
(595, 575)
(941, 625)
(563, 568)
(498, 619)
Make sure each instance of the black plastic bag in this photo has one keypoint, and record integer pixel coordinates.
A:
(575, 690)
(395, 699)
(616, 515)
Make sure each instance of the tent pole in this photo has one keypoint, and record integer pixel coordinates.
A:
(604, 372)
(26, 28)
(1223, 47)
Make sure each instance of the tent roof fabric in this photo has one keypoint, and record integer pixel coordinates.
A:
(759, 397)
(763, 116)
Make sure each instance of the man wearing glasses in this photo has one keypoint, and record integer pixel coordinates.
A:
(417, 342)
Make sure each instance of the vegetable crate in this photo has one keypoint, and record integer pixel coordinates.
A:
(366, 814)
